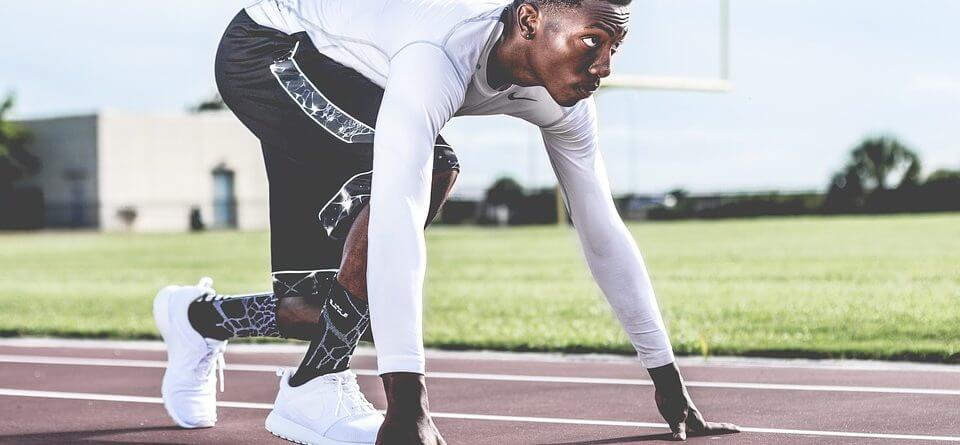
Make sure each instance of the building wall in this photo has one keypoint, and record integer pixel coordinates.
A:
(159, 167)
(67, 148)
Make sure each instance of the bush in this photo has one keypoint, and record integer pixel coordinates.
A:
(714, 207)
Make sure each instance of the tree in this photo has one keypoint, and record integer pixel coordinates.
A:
(941, 191)
(16, 162)
(502, 199)
(865, 182)
(879, 160)
(846, 192)
(504, 191)
(214, 103)
(944, 176)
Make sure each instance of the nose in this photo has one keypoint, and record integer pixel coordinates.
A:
(601, 66)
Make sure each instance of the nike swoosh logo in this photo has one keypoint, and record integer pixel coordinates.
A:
(513, 96)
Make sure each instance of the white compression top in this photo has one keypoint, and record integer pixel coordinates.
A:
(430, 56)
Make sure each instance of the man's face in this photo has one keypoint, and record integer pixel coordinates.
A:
(573, 47)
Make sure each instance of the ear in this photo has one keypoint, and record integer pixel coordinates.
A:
(528, 19)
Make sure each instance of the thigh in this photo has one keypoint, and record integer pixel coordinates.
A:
(315, 119)
(299, 103)
(316, 152)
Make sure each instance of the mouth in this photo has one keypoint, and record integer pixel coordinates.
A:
(587, 89)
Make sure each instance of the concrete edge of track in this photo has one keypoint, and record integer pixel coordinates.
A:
(725, 361)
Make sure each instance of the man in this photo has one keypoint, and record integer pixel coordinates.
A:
(315, 80)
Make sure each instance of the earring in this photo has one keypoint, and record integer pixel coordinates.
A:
(528, 36)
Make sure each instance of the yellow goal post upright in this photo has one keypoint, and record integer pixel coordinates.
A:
(719, 83)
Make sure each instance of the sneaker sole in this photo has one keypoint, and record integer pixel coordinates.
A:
(161, 316)
(293, 432)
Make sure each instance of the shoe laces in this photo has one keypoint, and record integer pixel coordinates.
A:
(213, 359)
(349, 395)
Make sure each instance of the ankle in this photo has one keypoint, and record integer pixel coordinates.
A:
(201, 322)
(406, 393)
(304, 375)
(223, 317)
(298, 317)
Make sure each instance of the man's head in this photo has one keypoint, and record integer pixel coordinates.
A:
(568, 43)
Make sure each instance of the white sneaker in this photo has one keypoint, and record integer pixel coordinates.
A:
(189, 383)
(328, 410)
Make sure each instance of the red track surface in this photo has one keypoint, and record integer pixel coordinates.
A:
(69, 394)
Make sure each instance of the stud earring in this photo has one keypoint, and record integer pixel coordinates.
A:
(528, 36)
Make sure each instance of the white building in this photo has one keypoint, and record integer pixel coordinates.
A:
(149, 172)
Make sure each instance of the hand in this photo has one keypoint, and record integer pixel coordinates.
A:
(407, 421)
(677, 408)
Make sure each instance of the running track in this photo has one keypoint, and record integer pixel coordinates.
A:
(54, 391)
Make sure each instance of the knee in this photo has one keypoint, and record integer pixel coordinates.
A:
(297, 317)
(442, 186)
(353, 278)
(443, 183)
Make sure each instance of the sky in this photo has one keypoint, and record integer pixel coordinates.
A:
(811, 79)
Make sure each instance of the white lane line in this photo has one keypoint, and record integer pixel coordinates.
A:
(114, 398)
(549, 420)
(78, 361)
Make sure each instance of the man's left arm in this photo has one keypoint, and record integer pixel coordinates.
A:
(611, 253)
(616, 264)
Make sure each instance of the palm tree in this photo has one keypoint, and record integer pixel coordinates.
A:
(879, 160)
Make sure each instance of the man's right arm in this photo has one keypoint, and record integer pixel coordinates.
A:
(421, 95)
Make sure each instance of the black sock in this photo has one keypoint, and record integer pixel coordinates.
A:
(222, 317)
(343, 320)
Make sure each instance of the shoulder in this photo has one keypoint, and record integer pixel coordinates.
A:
(468, 33)
(579, 118)
(441, 21)
(458, 28)
(576, 130)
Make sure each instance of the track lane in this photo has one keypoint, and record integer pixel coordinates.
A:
(584, 403)
(868, 412)
(780, 434)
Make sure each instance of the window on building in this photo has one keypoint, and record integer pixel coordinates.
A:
(224, 198)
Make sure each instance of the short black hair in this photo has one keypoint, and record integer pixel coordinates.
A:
(565, 3)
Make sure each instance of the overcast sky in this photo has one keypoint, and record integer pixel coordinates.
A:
(810, 80)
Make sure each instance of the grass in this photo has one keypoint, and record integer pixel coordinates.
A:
(867, 287)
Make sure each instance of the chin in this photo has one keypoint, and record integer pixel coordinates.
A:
(567, 100)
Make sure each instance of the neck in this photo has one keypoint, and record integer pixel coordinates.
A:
(509, 62)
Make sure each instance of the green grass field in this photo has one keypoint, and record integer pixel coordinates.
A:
(869, 287)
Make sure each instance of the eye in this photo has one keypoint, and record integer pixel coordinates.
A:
(591, 41)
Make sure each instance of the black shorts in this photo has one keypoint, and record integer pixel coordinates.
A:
(315, 120)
